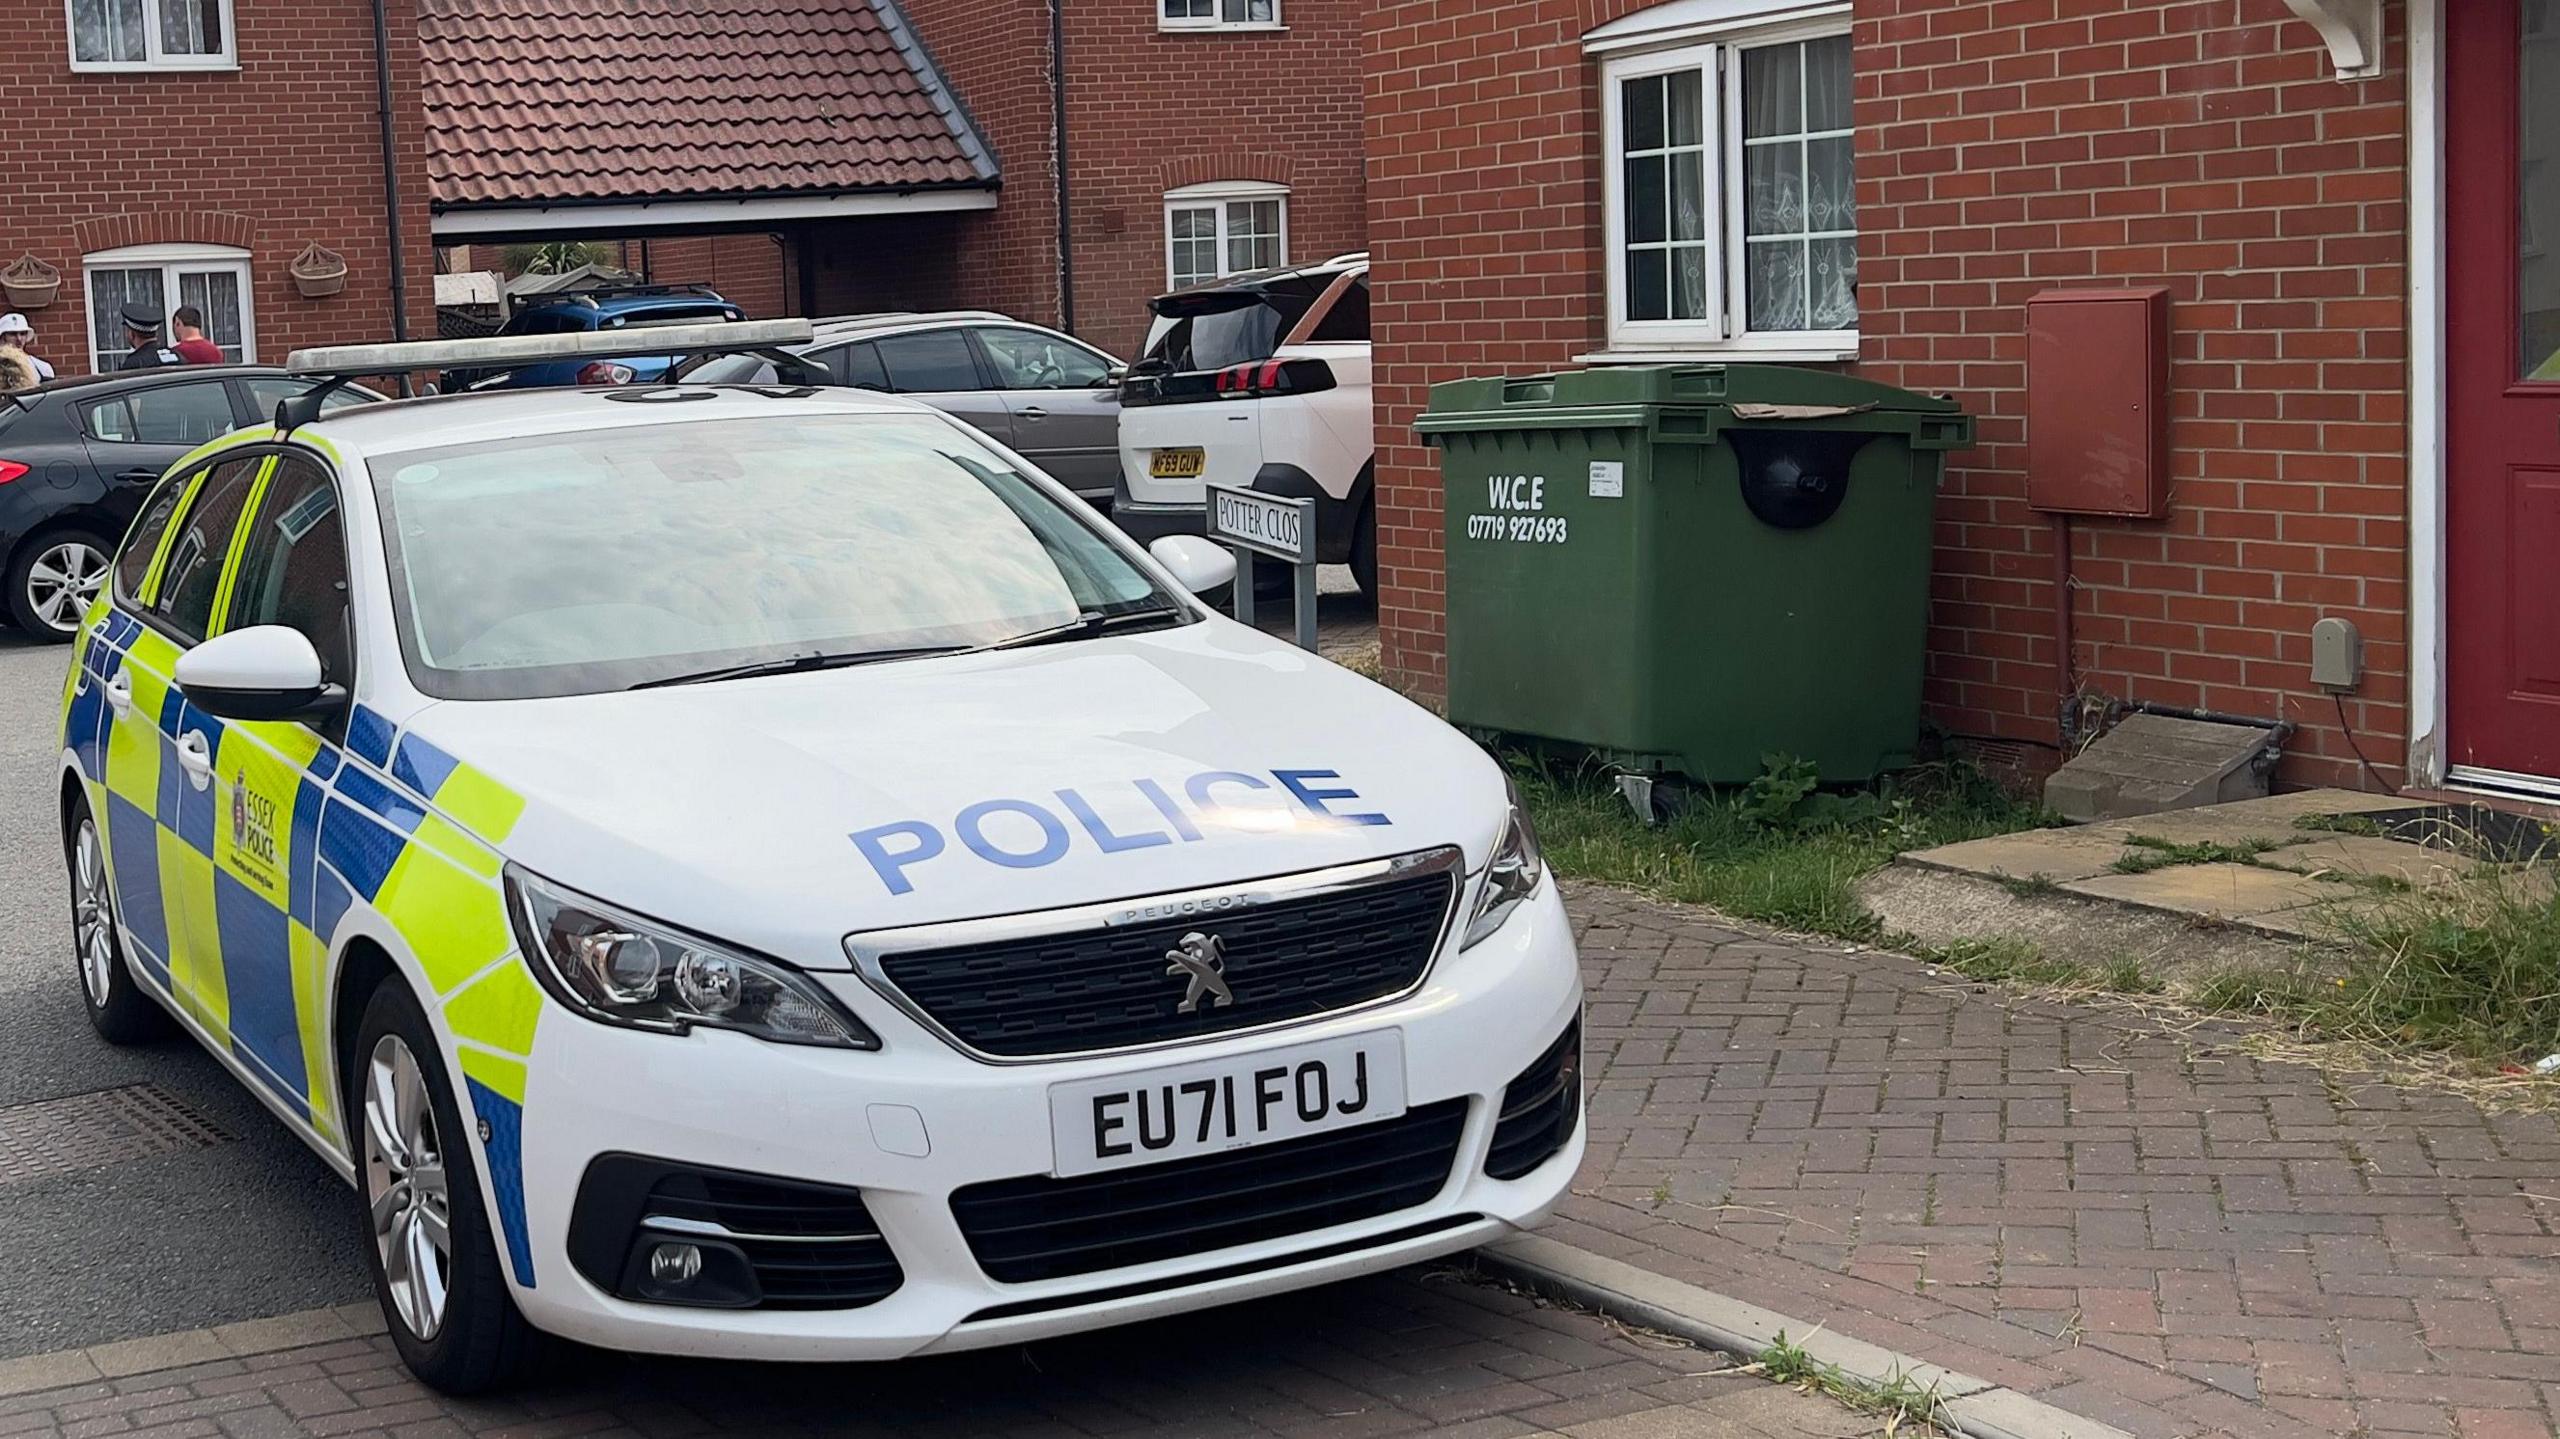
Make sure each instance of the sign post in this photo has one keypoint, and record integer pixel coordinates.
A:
(1252, 523)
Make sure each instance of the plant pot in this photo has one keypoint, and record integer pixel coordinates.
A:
(30, 283)
(318, 273)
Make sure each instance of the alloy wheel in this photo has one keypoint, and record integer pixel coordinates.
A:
(404, 1186)
(63, 580)
(93, 915)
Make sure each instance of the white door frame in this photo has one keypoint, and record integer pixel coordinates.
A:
(2427, 737)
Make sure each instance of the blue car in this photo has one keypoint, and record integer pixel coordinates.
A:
(603, 308)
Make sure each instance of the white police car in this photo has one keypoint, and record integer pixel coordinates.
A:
(762, 872)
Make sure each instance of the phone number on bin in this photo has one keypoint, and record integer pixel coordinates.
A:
(1529, 529)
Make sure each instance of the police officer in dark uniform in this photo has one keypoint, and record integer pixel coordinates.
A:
(142, 328)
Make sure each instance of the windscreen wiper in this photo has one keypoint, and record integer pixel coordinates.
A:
(1090, 623)
(793, 665)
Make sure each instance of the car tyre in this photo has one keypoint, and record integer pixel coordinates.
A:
(51, 580)
(118, 1008)
(448, 1307)
(1364, 551)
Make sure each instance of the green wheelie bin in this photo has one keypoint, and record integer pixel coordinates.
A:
(1680, 569)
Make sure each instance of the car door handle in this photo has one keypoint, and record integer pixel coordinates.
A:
(136, 477)
(1031, 412)
(120, 694)
(196, 758)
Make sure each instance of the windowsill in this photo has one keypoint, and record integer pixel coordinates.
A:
(1722, 355)
(1243, 27)
(154, 67)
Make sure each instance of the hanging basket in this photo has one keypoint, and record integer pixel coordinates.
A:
(318, 273)
(30, 283)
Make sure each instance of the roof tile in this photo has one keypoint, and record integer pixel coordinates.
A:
(530, 101)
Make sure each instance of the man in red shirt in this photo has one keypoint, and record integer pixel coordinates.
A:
(187, 324)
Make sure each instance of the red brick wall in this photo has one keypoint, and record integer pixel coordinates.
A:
(1148, 111)
(746, 269)
(2004, 147)
(272, 156)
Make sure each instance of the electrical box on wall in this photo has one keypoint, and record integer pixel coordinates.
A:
(2098, 402)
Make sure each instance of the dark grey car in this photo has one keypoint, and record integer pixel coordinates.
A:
(1050, 397)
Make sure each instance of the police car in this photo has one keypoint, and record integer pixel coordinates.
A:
(761, 871)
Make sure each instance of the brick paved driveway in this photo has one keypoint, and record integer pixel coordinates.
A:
(1408, 1353)
(2168, 1235)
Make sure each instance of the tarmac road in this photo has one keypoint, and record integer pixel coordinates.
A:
(176, 1241)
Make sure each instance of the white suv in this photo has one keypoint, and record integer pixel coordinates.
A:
(1259, 380)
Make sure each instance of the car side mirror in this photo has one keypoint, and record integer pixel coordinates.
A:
(264, 672)
(1112, 377)
(1197, 565)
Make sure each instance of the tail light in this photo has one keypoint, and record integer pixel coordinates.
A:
(1257, 378)
(11, 469)
(605, 372)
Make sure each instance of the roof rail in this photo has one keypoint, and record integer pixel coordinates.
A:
(1354, 257)
(531, 298)
(769, 339)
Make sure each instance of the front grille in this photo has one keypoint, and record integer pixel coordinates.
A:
(1037, 1227)
(1539, 1108)
(803, 1246)
(1108, 988)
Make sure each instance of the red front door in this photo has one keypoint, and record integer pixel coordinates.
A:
(2502, 376)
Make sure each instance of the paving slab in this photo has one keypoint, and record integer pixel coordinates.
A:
(2216, 891)
(2372, 855)
(2055, 854)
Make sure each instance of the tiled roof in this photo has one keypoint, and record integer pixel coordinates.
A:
(545, 100)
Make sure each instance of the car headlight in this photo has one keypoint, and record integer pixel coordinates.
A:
(1511, 876)
(618, 968)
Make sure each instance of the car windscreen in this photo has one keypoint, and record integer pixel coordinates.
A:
(1212, 329)
(597, 560)
(670, 315)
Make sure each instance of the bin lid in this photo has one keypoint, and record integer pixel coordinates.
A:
(1629, 389)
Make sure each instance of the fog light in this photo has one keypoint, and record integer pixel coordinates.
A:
(675, 1263)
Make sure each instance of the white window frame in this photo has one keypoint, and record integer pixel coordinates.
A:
(1214, 196)
(1702, 36)
(153, 56)
(1216, 18)
(170, 261)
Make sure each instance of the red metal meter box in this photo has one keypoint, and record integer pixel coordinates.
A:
(2098, 402)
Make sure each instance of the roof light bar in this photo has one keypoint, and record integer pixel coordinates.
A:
(509, 350)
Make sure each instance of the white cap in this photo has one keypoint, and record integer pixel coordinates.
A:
(15, 323)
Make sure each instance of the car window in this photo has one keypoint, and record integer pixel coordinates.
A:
(264, 393)
(929, 361)
(1213, 329)
(163, 415)
(193, 575)
(592, 561)
(293, 565)
(1030, 360)
(859, 366)
(733, 370)
(133, 563)
(670, 315)
(1348, 319)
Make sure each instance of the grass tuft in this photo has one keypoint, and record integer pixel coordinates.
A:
(2355, 824)
(1719, 850)
(2145, 853)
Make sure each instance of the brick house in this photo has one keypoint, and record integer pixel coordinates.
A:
(2362, 395)
(1202, 137)
(804, 155)
(833, 156)
(181, 154)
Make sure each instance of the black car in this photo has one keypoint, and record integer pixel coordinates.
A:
(77, 457)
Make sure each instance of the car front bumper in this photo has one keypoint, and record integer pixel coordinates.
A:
(725, 1101)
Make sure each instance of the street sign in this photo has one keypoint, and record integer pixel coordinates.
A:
(1251, 523)
(1264, 524)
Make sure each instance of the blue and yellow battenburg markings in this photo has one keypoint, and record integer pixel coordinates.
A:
(234, 893)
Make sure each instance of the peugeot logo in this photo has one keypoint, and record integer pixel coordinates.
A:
(1203, 959)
